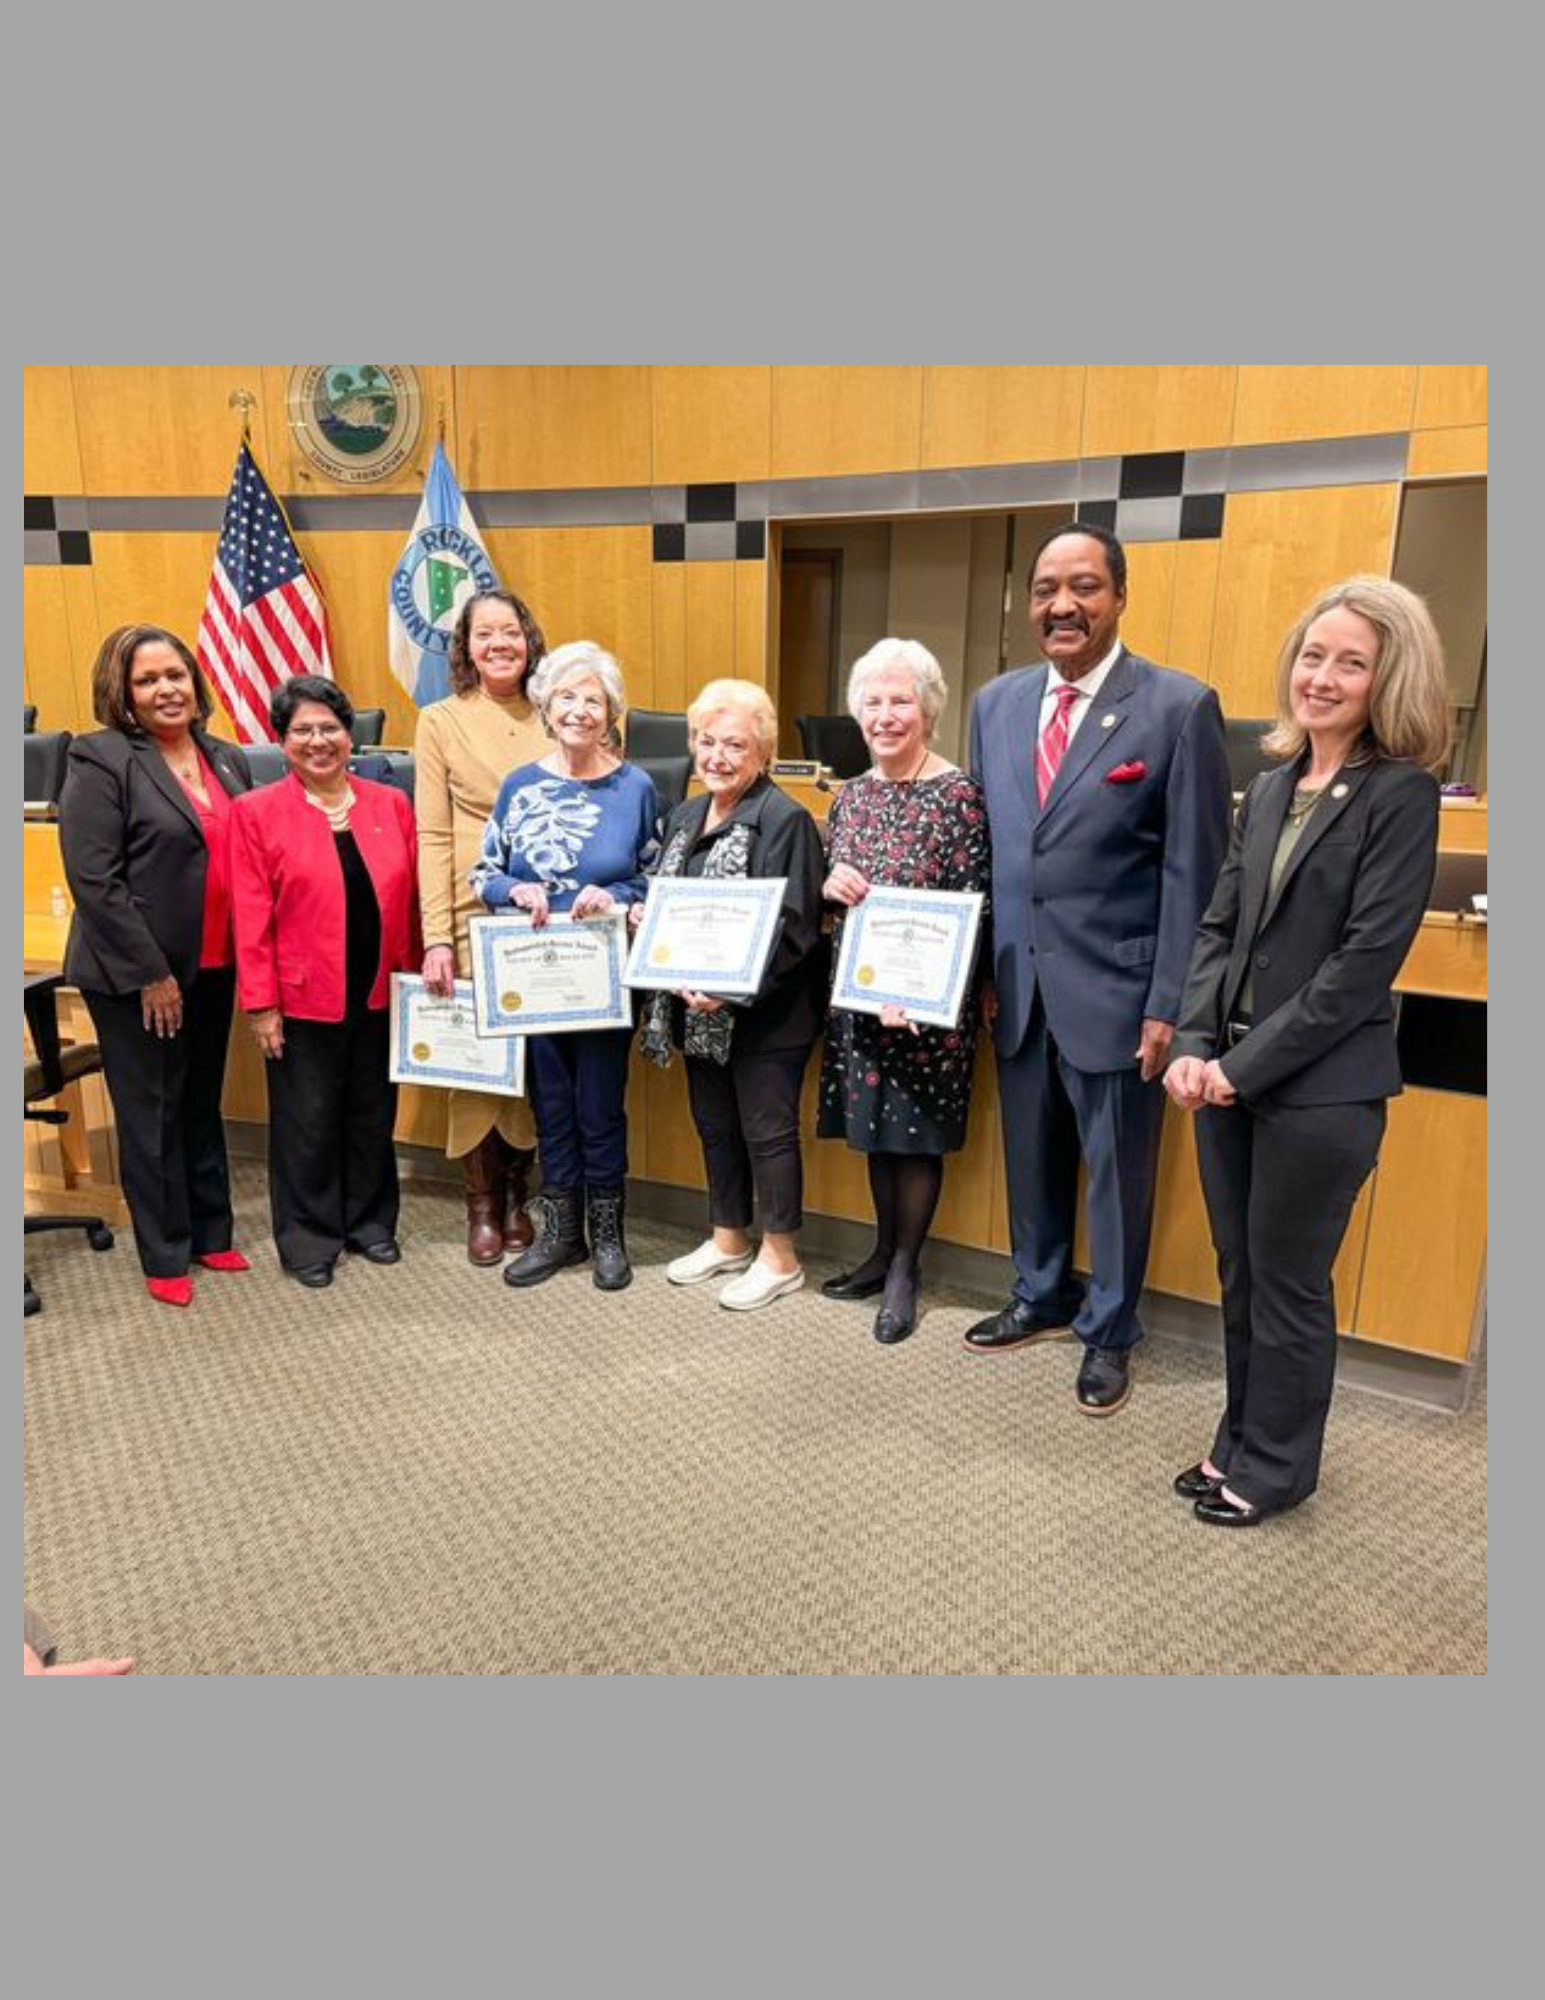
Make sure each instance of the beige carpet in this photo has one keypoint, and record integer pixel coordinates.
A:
(422, 1471)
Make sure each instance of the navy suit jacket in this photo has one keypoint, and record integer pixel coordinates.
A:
(1096, 898)
(1323, 951)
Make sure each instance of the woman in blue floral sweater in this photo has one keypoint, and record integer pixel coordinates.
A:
(573, 834)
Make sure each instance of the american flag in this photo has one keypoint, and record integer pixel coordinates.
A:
(264, 619)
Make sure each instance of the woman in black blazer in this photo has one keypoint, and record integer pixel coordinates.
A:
(746, 1060)
(143, 829)
(1286, 1037)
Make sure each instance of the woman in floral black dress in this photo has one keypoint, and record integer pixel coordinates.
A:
(898, 1092)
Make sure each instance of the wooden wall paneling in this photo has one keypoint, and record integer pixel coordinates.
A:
(55, 650)
(1436, 454)
(1279, 551)
(50, 438)
(161, 579)
(710, 424)
(1131, 409)
(710, 622)
(587, 583)
(1276, 404)
(660, 1113)
(353, 569)
(1145, 624)
(1450, 395)
(166, 431)
(965, 1207)
(245, 1096)
(751, 622)
(1194, 609)
(1001, 416)
(288, 470)
(829, 421)
(836, 1177)
(669, 688)
(1180, 1257)
(545, 427)
(421, 1117)
(1426, 1253)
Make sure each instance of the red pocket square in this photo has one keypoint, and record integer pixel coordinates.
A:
(1126, 774)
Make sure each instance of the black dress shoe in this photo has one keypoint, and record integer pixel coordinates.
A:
(317, 1276)
(1223, 1513)
(848, 1285)
(1104, 1380)
(1014, 1325)
(1194, 1484)
(389, 1252)
(891, 1327)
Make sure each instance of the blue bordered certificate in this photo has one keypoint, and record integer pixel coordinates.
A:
(911, 948)
(559, 980)
(435, 1042)
(711, 934)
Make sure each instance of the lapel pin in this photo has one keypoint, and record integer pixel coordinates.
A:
(1339, 791)
(1107, 721)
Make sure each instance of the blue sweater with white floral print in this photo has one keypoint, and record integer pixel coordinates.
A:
(569, 834)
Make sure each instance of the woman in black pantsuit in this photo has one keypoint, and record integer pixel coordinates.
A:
(143, 830)
(1286, 1039)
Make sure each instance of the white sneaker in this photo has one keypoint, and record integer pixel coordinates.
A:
(759, 1287)
(706, 1261)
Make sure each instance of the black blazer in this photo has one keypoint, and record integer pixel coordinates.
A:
(1325, 951)
(789, 1010)
(134, 857)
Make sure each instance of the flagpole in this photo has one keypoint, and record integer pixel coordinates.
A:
(246, 402)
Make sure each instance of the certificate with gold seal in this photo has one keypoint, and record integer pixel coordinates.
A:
(560, 980)
(911, 948)
(435, 1042)
(711, 934)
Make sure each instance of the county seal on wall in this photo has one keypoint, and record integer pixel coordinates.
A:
(355, 421)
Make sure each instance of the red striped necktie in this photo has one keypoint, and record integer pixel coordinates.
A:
(1053, 743)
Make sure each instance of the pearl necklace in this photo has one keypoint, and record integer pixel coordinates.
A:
(337, 816)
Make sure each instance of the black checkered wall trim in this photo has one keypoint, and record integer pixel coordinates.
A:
(1160, 496)
(718, 522)
(54, 531)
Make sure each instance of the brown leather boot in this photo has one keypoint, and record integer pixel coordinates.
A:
(518, 1233)
(483, 1171)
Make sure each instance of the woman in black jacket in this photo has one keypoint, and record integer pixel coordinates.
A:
(1286, 1039)
(746, 1061)
(143, 830)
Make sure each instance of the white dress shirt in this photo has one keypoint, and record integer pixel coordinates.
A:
(1087, 688)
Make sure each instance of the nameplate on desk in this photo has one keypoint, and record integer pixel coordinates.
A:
(809, 768)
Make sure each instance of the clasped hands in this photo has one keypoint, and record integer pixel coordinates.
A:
(1191, 1082)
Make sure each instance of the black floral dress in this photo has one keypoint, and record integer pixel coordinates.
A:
(886, 1090)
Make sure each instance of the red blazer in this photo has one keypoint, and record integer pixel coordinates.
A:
(287, 898)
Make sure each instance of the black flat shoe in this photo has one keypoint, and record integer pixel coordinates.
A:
(1224, 1514)
(1194, 1484)
(316, 1276)
(890, 1328)
(847, 1285)
(389, 1252)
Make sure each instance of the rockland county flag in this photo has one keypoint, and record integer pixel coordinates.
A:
(443, 565)
(264, 618)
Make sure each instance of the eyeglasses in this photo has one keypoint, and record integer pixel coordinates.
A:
(308, 732)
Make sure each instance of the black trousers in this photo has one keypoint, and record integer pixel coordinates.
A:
(332, 1166)
(166, 1103)
(747, 1117)
(1280, 1181)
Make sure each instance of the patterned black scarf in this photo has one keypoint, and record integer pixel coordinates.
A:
(706, 1036)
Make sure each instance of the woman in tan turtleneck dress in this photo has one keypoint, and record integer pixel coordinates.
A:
(465, 747)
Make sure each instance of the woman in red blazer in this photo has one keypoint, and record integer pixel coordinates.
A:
(325, 898)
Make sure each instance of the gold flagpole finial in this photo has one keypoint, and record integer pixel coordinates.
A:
(440, 419)
(246, 402)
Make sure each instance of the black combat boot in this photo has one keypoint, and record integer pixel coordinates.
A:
(603, 1213)
(560, 1238)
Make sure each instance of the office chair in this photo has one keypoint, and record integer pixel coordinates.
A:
(835, 741)
(656, 732)
(29, 717)
(670, 776)
(387, 767)
(44, 761)
(368, 727)
(44, 1074)
(266, 762)
(1457, 878)
(1242, 742)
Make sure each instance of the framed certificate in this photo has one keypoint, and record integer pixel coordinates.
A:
(911, 948)
(559, 980)
(710, 933)
(435, 1042)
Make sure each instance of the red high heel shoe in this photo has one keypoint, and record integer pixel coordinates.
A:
(171, 1291)
(223, 1260)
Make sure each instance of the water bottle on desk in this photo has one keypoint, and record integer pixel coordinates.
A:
(58, 902)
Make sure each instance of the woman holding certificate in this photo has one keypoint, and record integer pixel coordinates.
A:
(325, 900)
(745, 1057)
(898, 1092)
(463, 748)
(571, 835)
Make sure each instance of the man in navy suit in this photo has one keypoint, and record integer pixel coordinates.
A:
(1108, 795)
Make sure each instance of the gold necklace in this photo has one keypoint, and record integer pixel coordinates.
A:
(1302, 803)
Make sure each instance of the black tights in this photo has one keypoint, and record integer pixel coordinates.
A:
(905, 1188)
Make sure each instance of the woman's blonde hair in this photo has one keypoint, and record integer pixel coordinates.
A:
(1409, 715)
(745, 695)
(911, 656)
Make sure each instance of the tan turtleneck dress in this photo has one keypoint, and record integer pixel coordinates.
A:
(465, 747)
